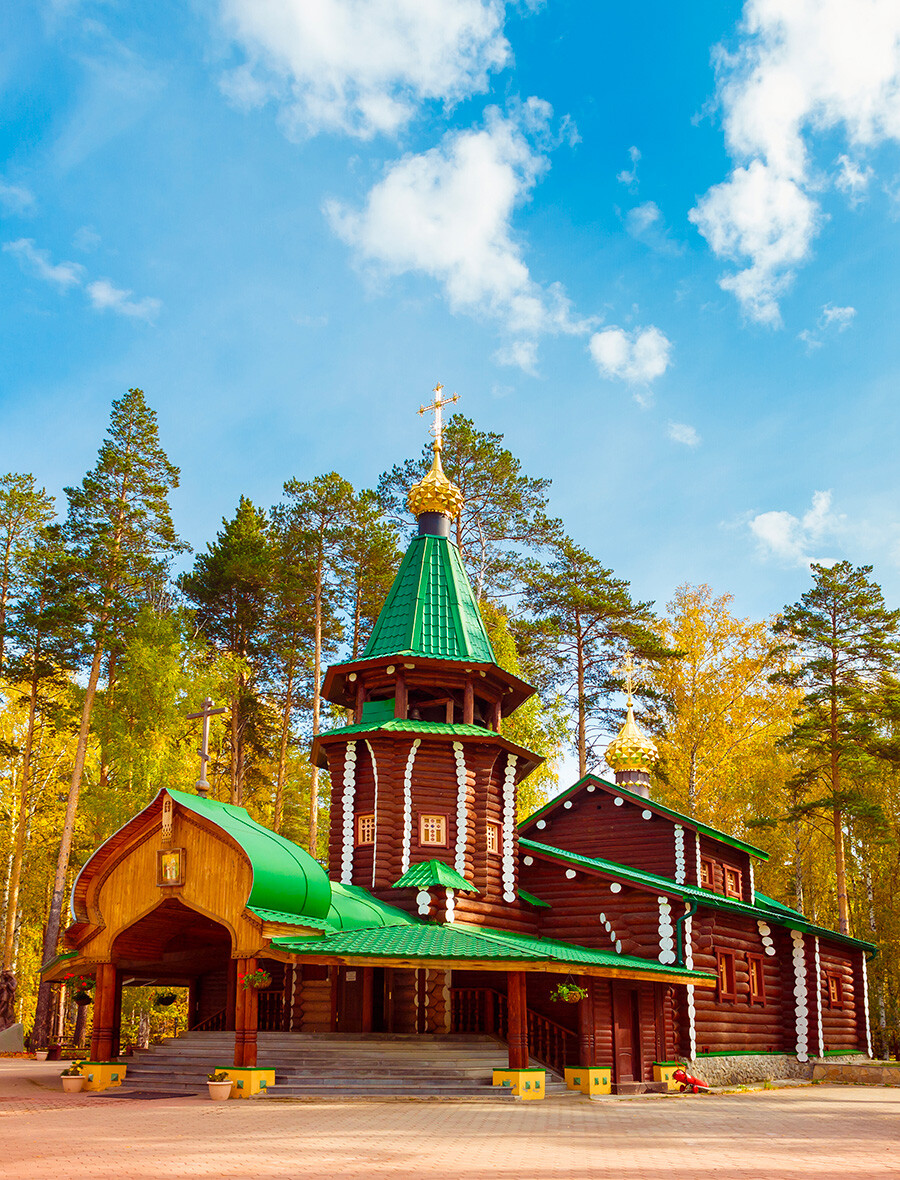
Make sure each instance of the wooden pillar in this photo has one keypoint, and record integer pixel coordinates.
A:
(360, 701)
(334, 980)
(193, 994)
(517, 1020)
(246, 1010)
(115, 1038)
(586, 1026)
(368, 987)
(495, 717)
(469, 704)
(104, 1012)
(400, 706)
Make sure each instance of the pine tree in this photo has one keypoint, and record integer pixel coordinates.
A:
(120, 537)
(24, 511)
(843, 642)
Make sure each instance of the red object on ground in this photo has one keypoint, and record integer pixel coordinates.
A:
(688, 1083)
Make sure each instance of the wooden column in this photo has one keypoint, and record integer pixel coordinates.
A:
(586, 1026)
(104, 1012)
(517, 1020)
(368, 981)
(115, 1047)
(495, 717)
(193, 995)
(231, 996)
(246, 1009)
(469, 704)
(360, 701)
(400, 706)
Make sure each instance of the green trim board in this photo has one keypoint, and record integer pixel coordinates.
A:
(57, 959)
(530, 899)
(458, 941)
(430, 609)
(765, 908)
(434, 872)
(651, 805)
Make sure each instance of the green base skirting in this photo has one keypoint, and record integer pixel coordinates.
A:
(748, 1053)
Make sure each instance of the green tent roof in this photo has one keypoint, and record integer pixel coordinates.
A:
(404, 725)
(430, 609)
(433, 872)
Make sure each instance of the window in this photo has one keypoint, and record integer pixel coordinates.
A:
(833, 990)
(757, 984)
(725, 971)
(706, 873)
(493, 837)
(433, 829)
(365, 829)
(732, 882)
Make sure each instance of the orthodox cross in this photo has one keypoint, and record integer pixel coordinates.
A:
(627, 670)
(206, 712)
(437, 405)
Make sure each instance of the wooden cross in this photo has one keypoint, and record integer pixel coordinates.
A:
(206, 712)
(437, 405)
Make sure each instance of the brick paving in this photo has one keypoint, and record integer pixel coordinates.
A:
(826, 1132)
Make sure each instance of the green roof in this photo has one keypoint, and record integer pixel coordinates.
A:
(765, 908)
(651, 805)
(396, 725)
(433, 872)
(530, 899)
(459, 941)
(285, 877)
(430, 609)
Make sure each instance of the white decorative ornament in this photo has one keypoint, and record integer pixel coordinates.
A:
(374, 812)
(819, 1000)
(618, 947)
(591, 788)
(527, 860)
(568, 805)
(348, 806)
(541, 823)
(570, 874)
(451, 906)
(508, 831)
(615, 887)
(407, 805)
(619, 801)
(462, 824)
(865, 990)
(645, 814)
(689, 964)
(800, 1019)
(423, 901)
(680, 875)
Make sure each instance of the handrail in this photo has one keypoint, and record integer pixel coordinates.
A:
(484, 1010)
(214, 1023)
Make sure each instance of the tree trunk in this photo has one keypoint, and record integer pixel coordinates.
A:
(282, 753)
(840, 867)
(317, 706)
(51, 934)
(582, 719)
(235, 743)
(15, 877)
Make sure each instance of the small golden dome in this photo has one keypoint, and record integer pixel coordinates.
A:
(435, 493)
(631, 749)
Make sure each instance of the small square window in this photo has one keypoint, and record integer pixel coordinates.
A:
(725, 971)
(433, 829)
(834, 990)
(732, 883)
(493, 837)
(706, 874)
(365, 829)
(757, 981)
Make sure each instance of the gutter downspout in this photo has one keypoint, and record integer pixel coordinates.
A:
(679, 928)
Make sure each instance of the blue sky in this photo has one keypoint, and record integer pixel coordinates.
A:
(655, 246)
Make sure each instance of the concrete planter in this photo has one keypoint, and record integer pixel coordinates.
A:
(220, 1091)
(41, 1054)
(73, 1084)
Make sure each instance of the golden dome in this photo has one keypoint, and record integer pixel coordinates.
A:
(435, 493)
(631, 749)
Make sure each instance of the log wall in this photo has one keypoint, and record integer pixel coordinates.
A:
(841, 1022)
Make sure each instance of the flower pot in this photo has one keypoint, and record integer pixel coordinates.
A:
(572, 998)
(164, 1001)
(41, 1054)
(220, 1091)
(73, 1084)
(83, 998)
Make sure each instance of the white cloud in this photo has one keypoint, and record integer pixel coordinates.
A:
(38, 263)
(521, 354)
(106, 297)
(645, 224)
(15, 198)
(832, 319)
(789, 539)
(853, 179)
(680, 432)
(630, 177)
(802, 67)
(447, 213)
(638, 357)
(86, 239)
(362, 66)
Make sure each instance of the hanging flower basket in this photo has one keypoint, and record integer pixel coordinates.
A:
(164, 999)
(83, 998)
(568, 993)
(257, 979)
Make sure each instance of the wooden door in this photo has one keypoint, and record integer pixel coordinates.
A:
(627, 1033)
(349, 999)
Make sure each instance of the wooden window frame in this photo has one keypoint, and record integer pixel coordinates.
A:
(726, 959)
(738, 891)
(424, 817)
(758, 962)
(710, 866)
(495, 830)
(365, 818)
(835, 1000)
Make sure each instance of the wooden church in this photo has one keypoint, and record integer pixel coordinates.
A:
(438, 913)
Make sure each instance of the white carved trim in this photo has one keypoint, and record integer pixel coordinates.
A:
(765, 933)
(666, 932)
(462, 815)
(450, 909)
(613, 937)
(347, 807)
(819, 1000)
(374, 811)
(801, 997)
(752, 884)
(865, 983)
(407, 804)
(697, 854)
(509, 829)
(689, 963)
(423, 901)
(679, 855)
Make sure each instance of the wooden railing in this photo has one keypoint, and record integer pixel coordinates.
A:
(484, 1010)
(271, 1011)
(214, 1023)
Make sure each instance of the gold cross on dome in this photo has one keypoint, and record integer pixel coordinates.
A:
(437, 405)
(627, 670)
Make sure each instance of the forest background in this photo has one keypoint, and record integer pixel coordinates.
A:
(783, 731)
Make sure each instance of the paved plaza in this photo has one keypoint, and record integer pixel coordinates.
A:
(826, 1132)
